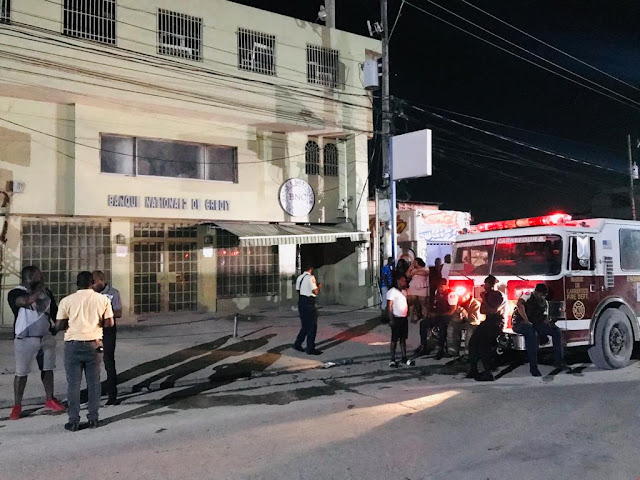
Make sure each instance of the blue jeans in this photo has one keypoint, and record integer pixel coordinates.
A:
(309, 321)
(530, 334)
(79, 357)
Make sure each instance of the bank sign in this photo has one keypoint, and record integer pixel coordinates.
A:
(296, 197)
(167, 203)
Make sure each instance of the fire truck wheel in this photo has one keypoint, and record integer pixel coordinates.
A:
(613, 340)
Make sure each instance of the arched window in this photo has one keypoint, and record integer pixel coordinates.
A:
(330, 160)
(312, 158)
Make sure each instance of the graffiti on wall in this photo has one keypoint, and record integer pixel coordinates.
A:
(441, 225)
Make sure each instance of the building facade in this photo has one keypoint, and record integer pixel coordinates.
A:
(198, 152)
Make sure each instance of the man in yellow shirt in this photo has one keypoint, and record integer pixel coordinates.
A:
(82, 315)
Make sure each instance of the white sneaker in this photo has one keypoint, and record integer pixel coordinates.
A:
(393, 364)
(410, 363)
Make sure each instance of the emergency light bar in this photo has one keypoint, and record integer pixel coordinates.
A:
(544, 221)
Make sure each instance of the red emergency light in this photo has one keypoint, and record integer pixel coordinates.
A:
(543, 221)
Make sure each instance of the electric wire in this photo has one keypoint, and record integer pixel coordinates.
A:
(634, 104)
(550, 46)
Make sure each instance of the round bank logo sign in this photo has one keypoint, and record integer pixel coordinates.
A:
(297, 197)
(578, 310)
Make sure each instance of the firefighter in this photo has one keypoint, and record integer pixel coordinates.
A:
(531, 320)
(484, 338)
(468, 319)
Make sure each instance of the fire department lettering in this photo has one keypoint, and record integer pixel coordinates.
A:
(577, 294)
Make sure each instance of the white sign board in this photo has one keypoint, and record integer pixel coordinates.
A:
(411, 154)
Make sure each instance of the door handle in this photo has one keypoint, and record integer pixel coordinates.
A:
(593, 288)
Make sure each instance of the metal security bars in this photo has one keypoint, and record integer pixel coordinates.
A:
(256, 52)
(330, 160)
(323, 66)
(90, 19)
(63, 249)
(311, 158)
(5, 11)
(245, 271)
(179, 35)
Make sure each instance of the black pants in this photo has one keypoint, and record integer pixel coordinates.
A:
(483, 341)
(309, 321)
(426, 324)
(109, 342)
(531, 333)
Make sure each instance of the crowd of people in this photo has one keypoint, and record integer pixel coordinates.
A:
(87, 318)
(415, 293)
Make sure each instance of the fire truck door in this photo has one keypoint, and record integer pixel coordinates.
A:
(583, 288)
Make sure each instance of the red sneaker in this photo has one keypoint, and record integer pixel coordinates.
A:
(15, 412)
(54, 405)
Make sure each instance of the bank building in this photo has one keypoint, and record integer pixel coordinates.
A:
(197, 152)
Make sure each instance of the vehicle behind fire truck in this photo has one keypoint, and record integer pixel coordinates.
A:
(591, 267)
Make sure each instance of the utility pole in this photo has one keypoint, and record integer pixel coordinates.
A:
(330, 7)
(631, 189)
(387, 180)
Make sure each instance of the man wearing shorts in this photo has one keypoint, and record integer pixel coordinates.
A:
(398, 309)
(34, 309)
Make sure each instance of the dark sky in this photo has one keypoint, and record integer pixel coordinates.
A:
(435, 66)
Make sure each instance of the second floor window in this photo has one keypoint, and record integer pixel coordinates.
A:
(167, 158)
(90, 19)
(330, 160)
(256, 52)
(312, 158)
(5, 11)
(322, 66)
(179, 35)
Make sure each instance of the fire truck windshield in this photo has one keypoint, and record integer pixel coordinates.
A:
(526, 255)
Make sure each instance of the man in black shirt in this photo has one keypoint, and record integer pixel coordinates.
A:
(34, 309)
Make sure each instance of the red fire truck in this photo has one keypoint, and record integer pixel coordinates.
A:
(591, 267)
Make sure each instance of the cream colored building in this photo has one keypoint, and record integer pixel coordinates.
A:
(196, 151)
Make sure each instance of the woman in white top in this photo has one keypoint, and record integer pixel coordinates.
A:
(397, 309)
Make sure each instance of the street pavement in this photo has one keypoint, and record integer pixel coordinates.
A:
(198, 403)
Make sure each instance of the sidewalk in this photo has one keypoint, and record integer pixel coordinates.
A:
(189, 349)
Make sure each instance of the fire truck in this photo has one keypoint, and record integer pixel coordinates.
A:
(591, 268)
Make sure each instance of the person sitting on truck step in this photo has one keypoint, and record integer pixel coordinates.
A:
(531, 319)
(484, 338)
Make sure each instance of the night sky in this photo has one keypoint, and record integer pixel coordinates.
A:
(440, 69)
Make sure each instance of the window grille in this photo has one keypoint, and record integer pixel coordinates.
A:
(90, 19)
(256, 52)
(179, 35)
(330, 160)
(167, 158)
(63, 249)
(312, 158)
(322, 66)
(5, 11)
(245, 271)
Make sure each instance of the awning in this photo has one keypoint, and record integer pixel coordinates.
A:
(264, 234)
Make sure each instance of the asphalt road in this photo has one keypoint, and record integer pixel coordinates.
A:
(360, 421)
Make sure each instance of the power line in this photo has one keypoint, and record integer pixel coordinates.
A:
(550, 46)
(518, 142)
(633, 104)
(505, 125)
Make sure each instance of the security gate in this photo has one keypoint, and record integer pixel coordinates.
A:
(165, 262)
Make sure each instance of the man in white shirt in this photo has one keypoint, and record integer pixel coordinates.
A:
(82, 315)
(398, 309)
(308, 288)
